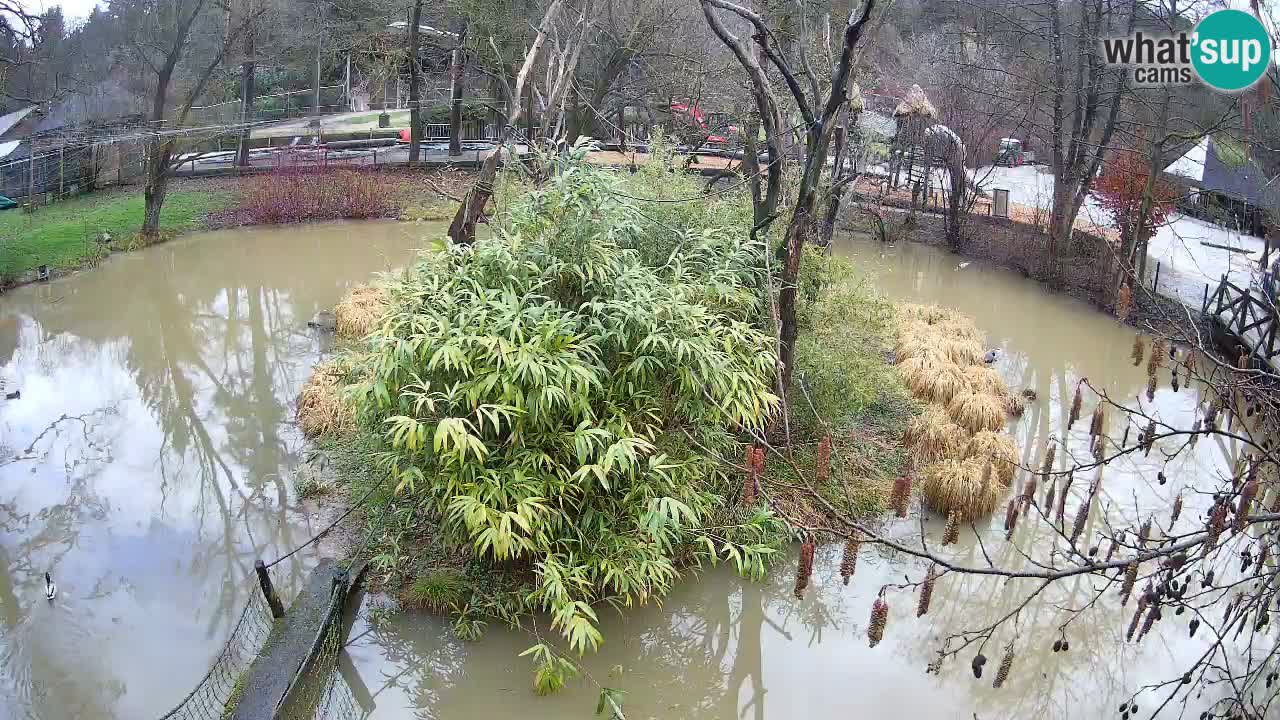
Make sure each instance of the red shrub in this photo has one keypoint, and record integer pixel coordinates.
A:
(298, 195)
(1120, 187)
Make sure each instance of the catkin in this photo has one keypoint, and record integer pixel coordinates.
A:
(1159, 350)
(926, 590)
(951, 535)
(1217, 523)
(1153, 612)
(1099, 419)
(1149, 436)
(1076, 400)
(879, 618)
(1152, 383)
(1062, 498)
(805, 568)
(1049, 494)
(1047, 466)
(849, 563)
(1029, 494)
(1010, 514)
(749, 491)
(1177, 508)
(901, 498)
(1082, 516)
(1211, 416)
(1133, 624)
(1195, 432)
(1247, 494)
(1137, 351)
(1006, 664)
(823, 467)
(1144, 534)
(1130, 579)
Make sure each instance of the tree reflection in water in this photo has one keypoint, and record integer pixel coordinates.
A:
(183, 361)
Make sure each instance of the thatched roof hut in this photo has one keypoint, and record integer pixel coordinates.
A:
(916, 103)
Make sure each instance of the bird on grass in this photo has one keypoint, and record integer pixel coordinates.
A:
(50, 589)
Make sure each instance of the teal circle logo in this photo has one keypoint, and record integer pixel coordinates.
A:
(1231, 50)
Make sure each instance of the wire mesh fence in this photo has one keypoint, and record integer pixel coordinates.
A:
(326, 694)
(219, 688)
(275, 106)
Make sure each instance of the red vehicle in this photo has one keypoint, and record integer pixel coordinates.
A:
(694, 115)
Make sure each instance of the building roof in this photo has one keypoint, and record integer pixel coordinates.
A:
(7, 122)
(1216, 165)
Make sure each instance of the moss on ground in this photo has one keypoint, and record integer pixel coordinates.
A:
(845, 387)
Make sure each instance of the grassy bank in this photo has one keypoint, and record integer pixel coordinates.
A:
(65, 235)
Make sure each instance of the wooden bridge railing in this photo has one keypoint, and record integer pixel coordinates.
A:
(1242, 313)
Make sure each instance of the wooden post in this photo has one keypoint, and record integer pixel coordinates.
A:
(62, 172)
(528, 114)
(264, 580)
(31, 178)
(1156, 282)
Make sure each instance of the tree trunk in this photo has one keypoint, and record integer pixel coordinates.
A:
(155, 187)
(247, 90)
(455, 102)
(319, 51)
(1060, 225)
(622, 125)
(956, 200)
(415, 115)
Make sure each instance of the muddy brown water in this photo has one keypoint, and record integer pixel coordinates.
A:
(150, 459)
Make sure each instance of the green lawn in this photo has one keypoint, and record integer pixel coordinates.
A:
(62, 235)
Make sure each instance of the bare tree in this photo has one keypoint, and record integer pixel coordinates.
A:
(818, 110)
(187, 40)
(463, 228)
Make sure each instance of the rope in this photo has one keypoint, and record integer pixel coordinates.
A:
(330, 526)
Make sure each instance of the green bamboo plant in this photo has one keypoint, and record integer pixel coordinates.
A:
(549, 399)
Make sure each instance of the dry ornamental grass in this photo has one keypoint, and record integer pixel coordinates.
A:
(321, 407)
(360, 311)
(961, 486)
(968, 461)
(999, 450)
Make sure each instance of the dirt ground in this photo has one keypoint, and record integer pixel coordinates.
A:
(615, 158)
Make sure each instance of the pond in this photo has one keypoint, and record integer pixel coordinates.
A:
(149, 462)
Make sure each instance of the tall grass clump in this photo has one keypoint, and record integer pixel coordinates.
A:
(547, 396)
(965, 460)
(359, 311)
